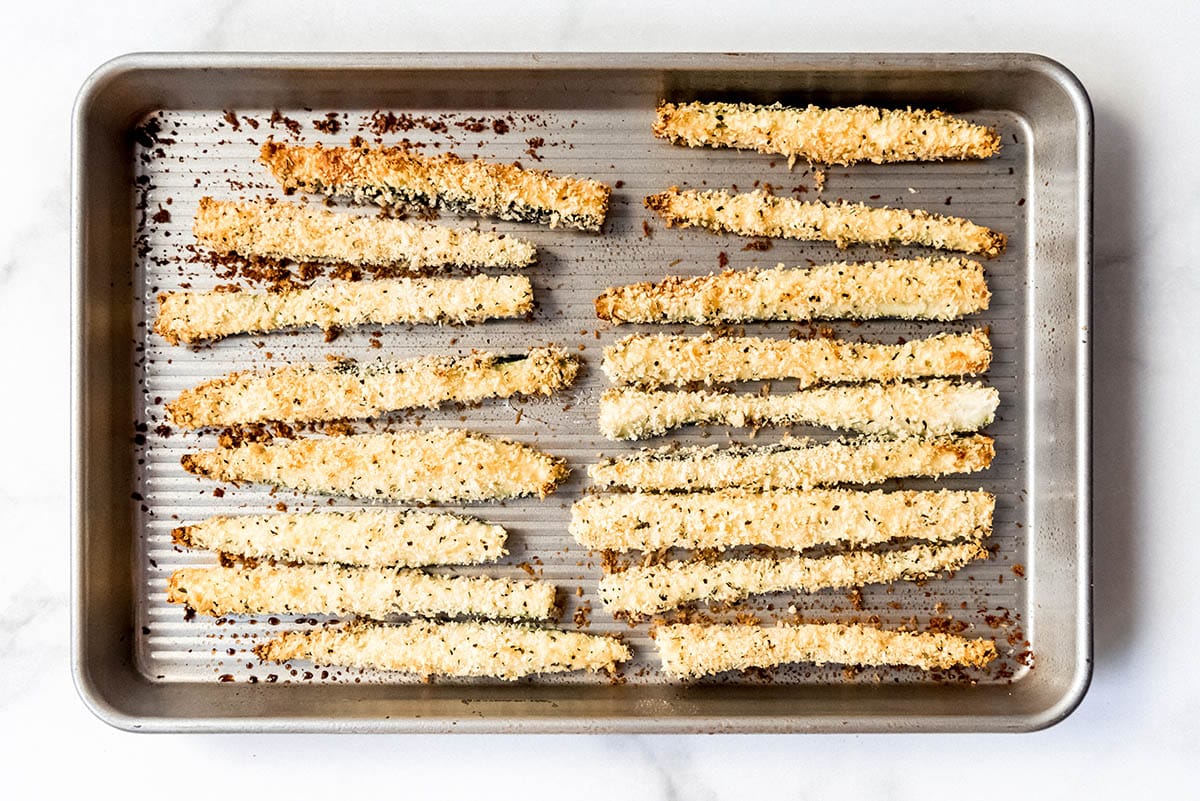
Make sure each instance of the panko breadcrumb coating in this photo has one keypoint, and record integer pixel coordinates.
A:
(435, 466)
(346, 389)
(657, 360)
(760, 214)
(371, 592)
(367, 538)
(657, 588)
(780, 518)
(901, 409)
(499, 650)
(195, 316)
(827, 135)
(396, 176)
(910, 289)
(313, 234)
(793, 464)
(693, 650)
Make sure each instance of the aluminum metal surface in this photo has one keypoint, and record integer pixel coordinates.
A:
(140, 664)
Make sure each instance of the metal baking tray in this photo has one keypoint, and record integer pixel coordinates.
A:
(152, 133)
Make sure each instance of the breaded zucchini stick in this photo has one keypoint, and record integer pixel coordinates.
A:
(651, 361)
(919, 408)
(911, 289)
(793, 464)
(692, 650)
(657, 588)
(396, 176)
(371, 592)
(197, 316)
(827, 135)
(759, 214)
(795, 519)
(313, 234)
(435, 466)
(499, 650)
(367, 538)
(348, 389)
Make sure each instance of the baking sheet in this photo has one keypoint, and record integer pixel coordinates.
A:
(183, 152)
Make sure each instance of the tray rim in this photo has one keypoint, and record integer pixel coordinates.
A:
(116, 68)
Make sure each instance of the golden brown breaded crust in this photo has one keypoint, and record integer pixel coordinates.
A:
(920, 289)
(394, 176)
(827, 135)
(759, 214)
(795, 519)
(197, 316)
(901, 409)
(310, 233)
(657, 588)
(375, 593)
(435, 466)
(692, 650)
(655, 360)
(499, 650)
(793, 465)
(367, 538)
(347, 389)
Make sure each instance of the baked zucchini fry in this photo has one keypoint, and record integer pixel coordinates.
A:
(656, 360)
(436, 466)
(793, 464)
(657, 588)
(759, 214)
(461, 649)
(197, 316)
(911, 289)
(692, 650)
(401, 177)
(348, 389)
(827, 135)
(371, 592)
(794, 519)
(367, 538)
(921, 408)
(312, 234)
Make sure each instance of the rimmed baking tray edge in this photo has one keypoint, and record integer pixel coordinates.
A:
(131, 705)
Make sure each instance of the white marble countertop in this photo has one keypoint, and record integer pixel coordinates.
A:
(1139, 721)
